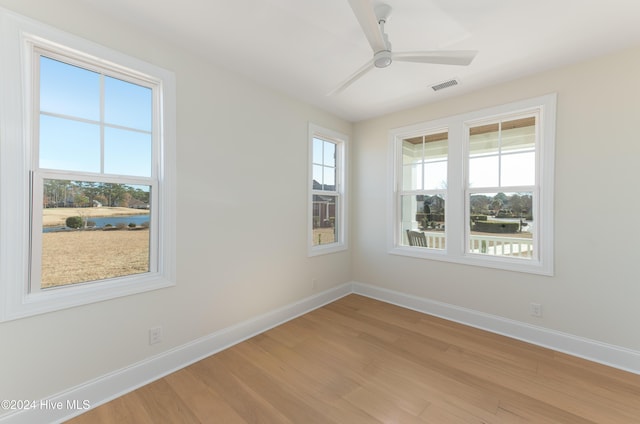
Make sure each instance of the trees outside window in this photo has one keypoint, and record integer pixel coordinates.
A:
(98, 129)
(479, 186)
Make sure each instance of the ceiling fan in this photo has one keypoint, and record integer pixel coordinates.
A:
(372, 20)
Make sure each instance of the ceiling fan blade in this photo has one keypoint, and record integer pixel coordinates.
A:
(356, 75)
(364, 11)
(442, 57)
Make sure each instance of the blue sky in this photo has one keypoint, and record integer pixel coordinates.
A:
(324, 162)
(71, 128)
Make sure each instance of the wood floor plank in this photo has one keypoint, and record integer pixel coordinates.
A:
(380, 407)
(206, 403)
(359, 360)
(240, 395)
(331, 383)
(162, 403)
(378, 354)
(290, 402)
(311, 406)
(125, 409)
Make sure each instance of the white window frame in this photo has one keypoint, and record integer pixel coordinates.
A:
(456, 210)
(401, 192)
(341, 142)
(17, 150)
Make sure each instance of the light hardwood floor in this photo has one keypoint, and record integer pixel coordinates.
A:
(358, 360)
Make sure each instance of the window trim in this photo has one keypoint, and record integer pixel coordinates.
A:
(456, 212)
(342, 142)
(16, 152)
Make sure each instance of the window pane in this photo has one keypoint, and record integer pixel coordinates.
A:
(324, 178)
(412, 163)
(85, 240)
(329, 179)
(69, 90)
(412, 151)
(503, 154)
(325, 226)
(424, 161)
(425, 214)
(501, 224)
(317, 150)
(518, 134)
(324, 168)
(127, 104)
(329, 154)
(483, 172)
(484, 140)
(318, 178)
(437, 149)
(435, 170)
(412, 177)
(435, 175)
(127, 152)
(69, 145)
(518, 169)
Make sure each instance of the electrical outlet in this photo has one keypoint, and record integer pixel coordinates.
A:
(155, 335)
(535, 309)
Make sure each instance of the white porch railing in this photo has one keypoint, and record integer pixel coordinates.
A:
(435, 240)
(501, 246)
(489, 245)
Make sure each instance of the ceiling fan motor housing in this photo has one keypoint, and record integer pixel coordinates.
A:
(382, 59)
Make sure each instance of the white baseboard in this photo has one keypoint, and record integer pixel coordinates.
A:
(63, 406)
(611, 355)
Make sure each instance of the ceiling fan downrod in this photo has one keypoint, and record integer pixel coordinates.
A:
(383, 58)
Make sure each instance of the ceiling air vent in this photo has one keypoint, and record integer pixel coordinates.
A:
(445, 84)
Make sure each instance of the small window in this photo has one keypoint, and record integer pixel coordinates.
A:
(327, 188)
(94, 202)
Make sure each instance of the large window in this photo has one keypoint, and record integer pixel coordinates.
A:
(327, 204)
(94, 142)
(87, 160)
(493, 170)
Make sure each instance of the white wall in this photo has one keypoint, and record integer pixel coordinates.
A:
(241, 163)
(595, 290)
(241, 226)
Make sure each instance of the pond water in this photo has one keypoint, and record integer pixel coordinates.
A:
(102, 221)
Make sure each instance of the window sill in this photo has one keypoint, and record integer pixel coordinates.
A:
(326, 249)
(54, 299)
(507, 264)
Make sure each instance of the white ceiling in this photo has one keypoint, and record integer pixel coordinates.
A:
(306, 48)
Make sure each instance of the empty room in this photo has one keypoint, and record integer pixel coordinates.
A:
(406, 211)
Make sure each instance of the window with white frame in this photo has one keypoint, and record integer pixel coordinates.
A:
(327, 202)
(501, 186)
(494, 168)
(423, 190)
(88, 146)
